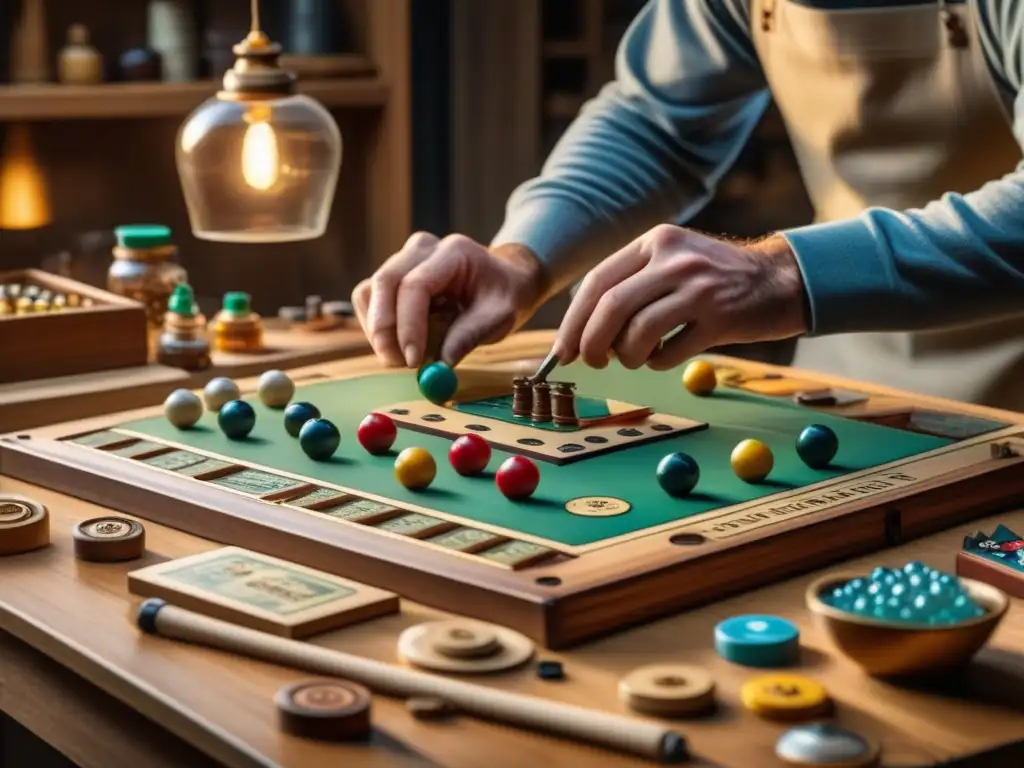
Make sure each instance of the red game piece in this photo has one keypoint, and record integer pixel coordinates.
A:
(469, 455)
(377, 433)
(518, 478)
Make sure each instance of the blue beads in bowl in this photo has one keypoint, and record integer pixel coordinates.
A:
(914, 593)
(906, 622)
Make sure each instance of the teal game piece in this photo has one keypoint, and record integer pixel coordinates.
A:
(319, 439)
(758, 641)
(236, 419)
(297, 414)
(817, 445)
(678, 474)
(438, 382)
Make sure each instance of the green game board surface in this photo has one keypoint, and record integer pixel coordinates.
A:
(628, 474)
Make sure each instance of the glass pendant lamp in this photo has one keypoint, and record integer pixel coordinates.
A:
(258, 162)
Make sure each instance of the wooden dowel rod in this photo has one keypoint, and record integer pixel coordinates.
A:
(637, 737)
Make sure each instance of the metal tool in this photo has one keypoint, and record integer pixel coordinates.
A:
(545, 368)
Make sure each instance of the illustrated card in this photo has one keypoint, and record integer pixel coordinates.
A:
(262, 592)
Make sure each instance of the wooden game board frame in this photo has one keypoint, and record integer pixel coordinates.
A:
(563, 601)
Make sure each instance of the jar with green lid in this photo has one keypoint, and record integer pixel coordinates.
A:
(236, 328)
(183, 343)
(144, 268)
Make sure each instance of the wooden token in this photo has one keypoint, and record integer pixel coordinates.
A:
(109, 539)
(670, 690)
(329, 710)
(429, 708)
(597, 506)
(464, 640)
(417, 645)
(785, 697)
(24, 525)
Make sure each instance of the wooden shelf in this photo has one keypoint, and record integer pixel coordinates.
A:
(113, 100)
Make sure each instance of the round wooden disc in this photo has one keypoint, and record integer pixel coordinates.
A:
(597, 506)
(109, 539)
(464, 641)
(785, 697)
(417, 645)
(24, 524)
(330, 710)
(668, 690)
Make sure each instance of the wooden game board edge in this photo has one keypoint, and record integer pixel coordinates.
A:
(367, 602)
(698, 523)
(972, 566)
(644, 575)
(415, 572)
(404, 506)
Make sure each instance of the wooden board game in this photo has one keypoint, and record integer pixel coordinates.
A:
(597, 547)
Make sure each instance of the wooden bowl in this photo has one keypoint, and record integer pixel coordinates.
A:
(906, 649)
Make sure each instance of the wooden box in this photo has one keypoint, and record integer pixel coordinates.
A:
(109, 333)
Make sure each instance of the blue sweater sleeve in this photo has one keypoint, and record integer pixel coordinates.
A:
(958, 260)
(652, 146)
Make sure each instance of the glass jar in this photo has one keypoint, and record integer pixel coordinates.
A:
(144, 269)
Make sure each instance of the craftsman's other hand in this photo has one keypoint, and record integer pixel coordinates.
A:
(497, 292)
(698, 291)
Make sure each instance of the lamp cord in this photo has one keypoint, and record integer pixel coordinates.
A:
(255, 5)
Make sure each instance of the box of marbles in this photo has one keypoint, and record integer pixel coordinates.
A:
(55, 326)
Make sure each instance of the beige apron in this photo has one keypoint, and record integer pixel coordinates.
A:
(894, 107)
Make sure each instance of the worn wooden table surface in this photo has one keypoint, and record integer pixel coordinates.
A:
(76, 671)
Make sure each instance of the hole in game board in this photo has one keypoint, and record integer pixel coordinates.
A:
(478, 427)
(595, 439)
(687, 539)
(549, 581)
(24, 437)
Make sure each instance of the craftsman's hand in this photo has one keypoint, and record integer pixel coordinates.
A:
(671, 277)
(497, 292)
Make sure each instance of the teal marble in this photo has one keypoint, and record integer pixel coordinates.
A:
(913, 594)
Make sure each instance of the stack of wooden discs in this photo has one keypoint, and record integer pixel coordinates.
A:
(668, 690)
(329, 710)
(24, 525)
(462, 645)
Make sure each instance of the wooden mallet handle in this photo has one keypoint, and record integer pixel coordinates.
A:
(645, 739)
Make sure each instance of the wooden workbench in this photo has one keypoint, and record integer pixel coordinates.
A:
(76, 671)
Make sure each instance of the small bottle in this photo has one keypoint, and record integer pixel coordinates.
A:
(79, 62)
(236, 328)
(144, 270)
(183, 343)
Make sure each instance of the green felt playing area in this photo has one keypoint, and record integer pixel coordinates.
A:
(629, 474)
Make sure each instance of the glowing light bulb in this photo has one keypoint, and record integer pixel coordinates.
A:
(260, 157)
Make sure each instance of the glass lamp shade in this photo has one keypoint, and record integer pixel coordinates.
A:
(259, 170)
